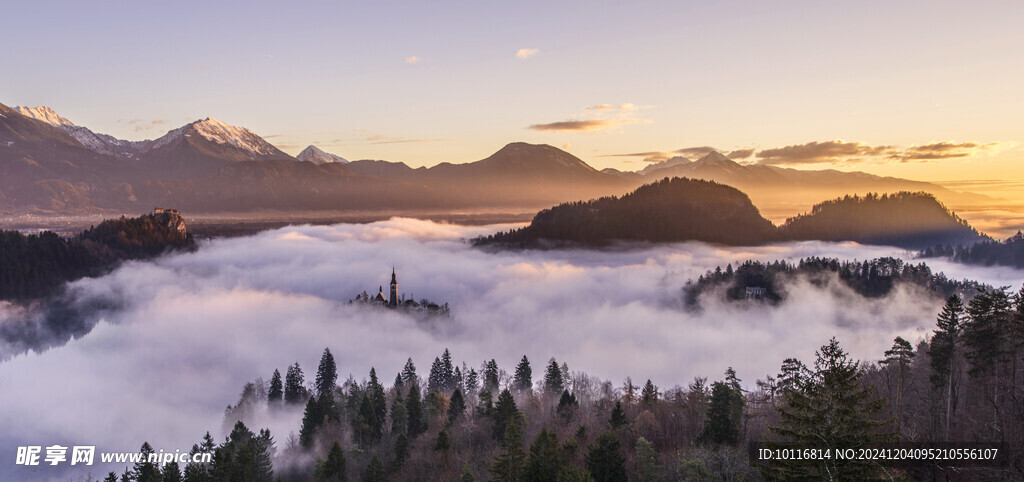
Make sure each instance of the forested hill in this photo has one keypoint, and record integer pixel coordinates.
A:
(869, 278)
(1009, 252)
(682, 209)
(904, 219)
(677, 209)
(36, 265)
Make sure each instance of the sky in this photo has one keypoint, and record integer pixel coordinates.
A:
(922, 90)
(156, 367)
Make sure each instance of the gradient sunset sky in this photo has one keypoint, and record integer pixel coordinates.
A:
(922, 90)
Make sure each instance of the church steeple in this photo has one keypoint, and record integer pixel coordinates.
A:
(394, 289)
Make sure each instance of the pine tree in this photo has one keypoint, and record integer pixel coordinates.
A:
(647, 468)
(409, 373)
(605, 460)
(490, 376)
(990, 315)
(374, 471)
(721, 426)
(435, 380)
(545, 460)
(294, 391)
(311, 419)
(789, 375)
(472, 382)
(276, 394)
(398, 384)
(523, 379)
(943, 351)
(401, 452)
(171, 472)
(458, 380)
(456, 406)
(263, 448)
(829, 409)
(649, 395)
(378, 405)
(567, 406)
(505, 411)
(326, 374)
(511, 461)
(485, 404)
(467, 475)
(146, 471)
(447, 378)
(899, 356)
(442, 443)
(198, 471)
(332, 469)
(553, 383)
(399, 416)
(417, 423)
(362, 423)
(618, 417)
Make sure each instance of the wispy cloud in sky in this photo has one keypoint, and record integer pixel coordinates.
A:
(942, 150)
(586, 125)
(526, 53)
(829, 152)
(596, 118)
(413, 60)
(838, 151)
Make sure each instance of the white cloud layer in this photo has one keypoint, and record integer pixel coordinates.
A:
(195, 327)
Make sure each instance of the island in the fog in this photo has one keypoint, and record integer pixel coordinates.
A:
(682, 209)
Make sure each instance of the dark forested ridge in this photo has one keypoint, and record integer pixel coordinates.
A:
(988, 252)
(677, 209)
(964, 383)
(681, 209)
(869, 278)
(36, 265)
(913, 220)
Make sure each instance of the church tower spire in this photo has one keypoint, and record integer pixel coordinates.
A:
(393, 302)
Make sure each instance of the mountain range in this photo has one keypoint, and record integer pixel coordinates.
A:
(52, 165)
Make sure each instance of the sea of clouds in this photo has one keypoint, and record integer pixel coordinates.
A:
(180, 335)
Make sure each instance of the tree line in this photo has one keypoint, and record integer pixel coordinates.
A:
(869, 278)
(37, 265)
(965, 382)
(1009, 252)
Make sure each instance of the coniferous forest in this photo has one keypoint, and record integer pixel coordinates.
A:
(869, 278)
(1009, 252)
(36, 265)
(546, 421)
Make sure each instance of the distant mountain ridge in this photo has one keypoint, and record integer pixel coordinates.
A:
(51, 165)
(779, 185)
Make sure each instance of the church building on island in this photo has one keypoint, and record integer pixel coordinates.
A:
(392, 301)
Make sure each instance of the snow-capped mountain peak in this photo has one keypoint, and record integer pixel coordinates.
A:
(101, 143)
(318, 156)
(671, 162)
(714, 157)
(45, 114)
(224, 133)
